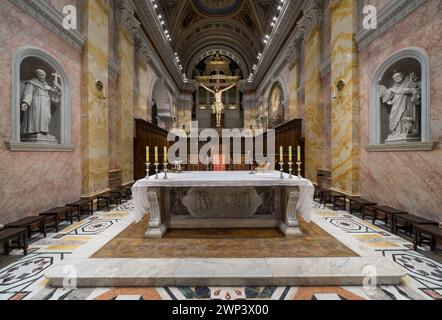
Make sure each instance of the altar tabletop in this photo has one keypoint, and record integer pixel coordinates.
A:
(224, 179)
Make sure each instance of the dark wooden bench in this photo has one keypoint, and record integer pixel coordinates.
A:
(359, 203)
(432, 232)
(324, 195)
(408, 221)
(29, 223)
(339, 200)
(386, 214)
(82, 206)
(58, 214)
(125, 196)
(106, 199)
(14, 234)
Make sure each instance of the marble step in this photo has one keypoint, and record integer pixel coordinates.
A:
(348, 271)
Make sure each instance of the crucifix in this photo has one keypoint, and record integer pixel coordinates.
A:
(56, 80)
(218, 101)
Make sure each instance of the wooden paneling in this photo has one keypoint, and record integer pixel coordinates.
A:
(287, 134)
(146, 134)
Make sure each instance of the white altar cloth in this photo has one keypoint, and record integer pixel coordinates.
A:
(223, 179)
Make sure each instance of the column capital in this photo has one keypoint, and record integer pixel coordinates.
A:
(294, 52)
(311, 19)
(125, 17)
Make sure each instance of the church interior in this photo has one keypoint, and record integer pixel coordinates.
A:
(221, 150)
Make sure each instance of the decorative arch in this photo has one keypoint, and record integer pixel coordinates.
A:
(421, 57)
(162, 99)
(64, 134)
(211, 50)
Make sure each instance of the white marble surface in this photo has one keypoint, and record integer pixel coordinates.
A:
(221, 272)
(223, 179)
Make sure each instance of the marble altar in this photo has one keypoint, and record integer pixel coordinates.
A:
(230, 199)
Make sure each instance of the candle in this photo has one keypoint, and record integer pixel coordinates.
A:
(281, 154)
(299, 154)
(165, 154)
(156, 154)
(147, 155)
(290, 154)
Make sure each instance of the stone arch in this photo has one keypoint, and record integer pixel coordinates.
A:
(406, 55)
(63, 127)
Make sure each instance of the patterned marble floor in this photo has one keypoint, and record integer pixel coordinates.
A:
(22, 278)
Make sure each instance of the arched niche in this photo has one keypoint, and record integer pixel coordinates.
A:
(400, 99)
(53, 131)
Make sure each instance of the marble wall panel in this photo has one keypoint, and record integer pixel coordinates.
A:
(141, 106)
(32, 182)
(125, 104)
(112, 114)
(326, 121)
(312, 108)
(345, 113)
(95, 146)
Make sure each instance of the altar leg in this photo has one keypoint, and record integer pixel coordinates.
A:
(289, 224)
(156, 228)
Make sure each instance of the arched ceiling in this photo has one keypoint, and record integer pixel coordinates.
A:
(253, 33)
(197, 26)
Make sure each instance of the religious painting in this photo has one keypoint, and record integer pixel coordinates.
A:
(276, 109)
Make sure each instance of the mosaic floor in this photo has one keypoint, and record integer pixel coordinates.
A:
(22, 278)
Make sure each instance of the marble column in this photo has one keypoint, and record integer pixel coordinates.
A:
(345, 141)
(94, 104)
(126, 24)
(140, 110)
(293, 61)
(310, 27)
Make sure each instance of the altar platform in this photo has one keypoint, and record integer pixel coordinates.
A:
(229, 257)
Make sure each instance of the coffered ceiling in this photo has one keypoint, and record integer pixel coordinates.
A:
(195, 28)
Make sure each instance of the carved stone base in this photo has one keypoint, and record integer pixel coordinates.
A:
(39, 138)
(402, 139)
(156, 232)
(290, 231)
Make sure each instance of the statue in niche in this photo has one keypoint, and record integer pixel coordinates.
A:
(37, 100)
(404, 97)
